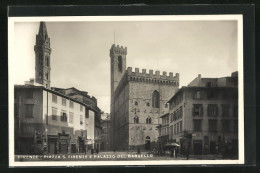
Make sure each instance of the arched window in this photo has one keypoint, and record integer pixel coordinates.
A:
(156, 99)
(148, 120)
(47, 61)
(47, 76)
(120, 63)
(136, 119)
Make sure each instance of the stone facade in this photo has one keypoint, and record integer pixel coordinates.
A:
(137, 103)
(42, 56)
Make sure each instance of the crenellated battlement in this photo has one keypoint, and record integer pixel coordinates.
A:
(144, 77)
(118, 49)
(152, 76)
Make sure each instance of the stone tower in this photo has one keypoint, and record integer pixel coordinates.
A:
(118, 65)
(118, 68)
(42, 56)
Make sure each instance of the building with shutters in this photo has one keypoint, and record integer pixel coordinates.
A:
(203, 116)
(163, 131)
(93, 114)
(138, 99)
(48, 122)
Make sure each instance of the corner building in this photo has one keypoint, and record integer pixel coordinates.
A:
(137, 101)
(203, 117)
(47, 122)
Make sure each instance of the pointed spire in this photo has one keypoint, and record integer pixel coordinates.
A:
(43, 29)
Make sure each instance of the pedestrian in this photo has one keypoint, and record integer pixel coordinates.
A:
(114, 150)
(188, 151)
(176, 152)
(92, 151)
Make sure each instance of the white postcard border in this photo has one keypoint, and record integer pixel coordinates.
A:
(237, 17)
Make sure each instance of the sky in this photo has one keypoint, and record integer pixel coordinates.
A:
(80, 51)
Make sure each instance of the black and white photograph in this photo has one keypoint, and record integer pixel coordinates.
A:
(126, 90)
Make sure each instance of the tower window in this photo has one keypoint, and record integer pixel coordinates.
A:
(47, 61)
(156, 99)
(136, 119)
(136, 103)
(120, 63)
(47, 76)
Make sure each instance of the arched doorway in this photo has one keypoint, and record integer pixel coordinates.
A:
(147, 143)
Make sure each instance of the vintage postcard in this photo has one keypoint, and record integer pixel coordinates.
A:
(126, 90)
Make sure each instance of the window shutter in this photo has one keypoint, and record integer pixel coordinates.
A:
(216, 110)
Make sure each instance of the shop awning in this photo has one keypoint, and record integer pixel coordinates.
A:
(171, 144)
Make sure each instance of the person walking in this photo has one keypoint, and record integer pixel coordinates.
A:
(188, 151)
(172, 151)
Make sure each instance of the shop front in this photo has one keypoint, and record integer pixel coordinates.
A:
(63, 143)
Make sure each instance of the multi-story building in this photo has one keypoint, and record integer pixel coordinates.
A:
(93, 114)
(137, 101)
(204, 115)
(47, 121)
(163, 130)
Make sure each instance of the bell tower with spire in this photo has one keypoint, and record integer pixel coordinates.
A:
(42, 51)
